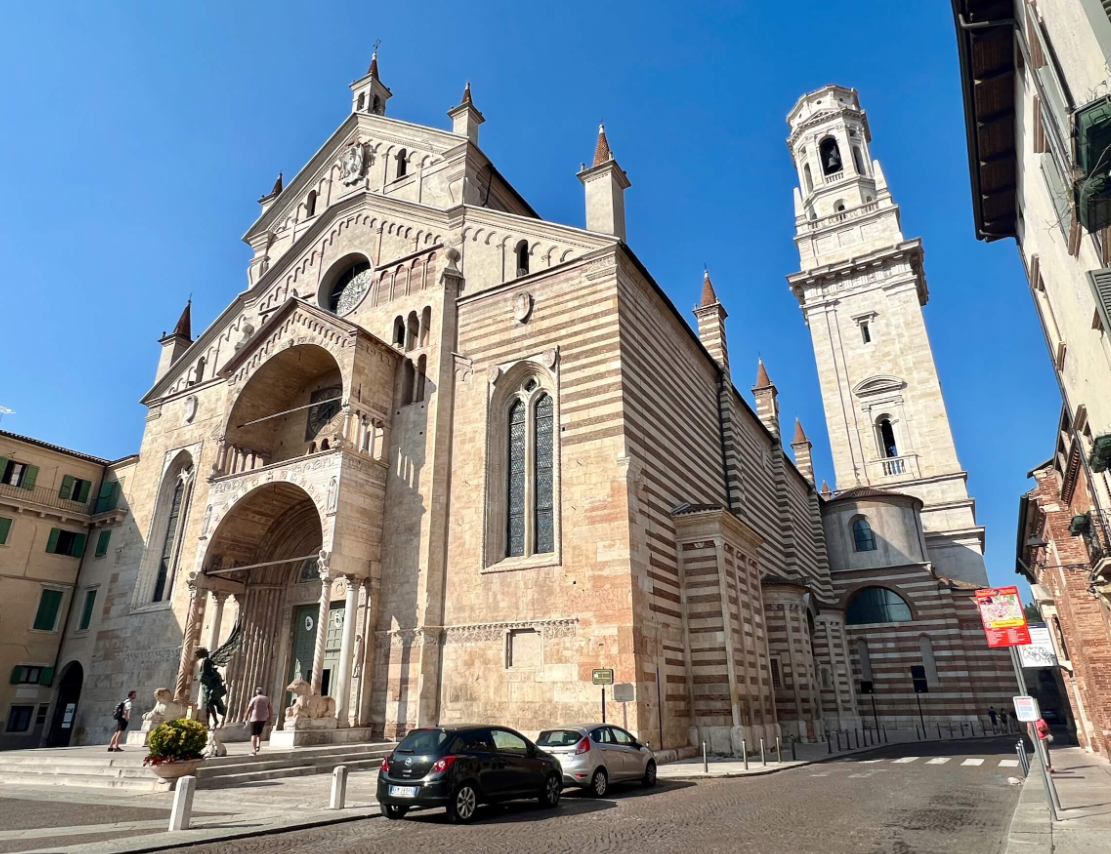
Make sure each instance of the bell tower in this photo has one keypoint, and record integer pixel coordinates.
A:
(861, 288)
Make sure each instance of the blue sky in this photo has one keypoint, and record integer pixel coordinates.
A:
(137, 137)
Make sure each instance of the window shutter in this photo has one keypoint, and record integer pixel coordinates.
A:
(67, 486)
(3, 465)
(29, 476)
(102, 543)
(52, 541)
(5, 527)
(78, 545)
(17, 675)
(1100, 280)
(106, 499)
(82, 491)
(47, 616)
(46, 678)
(87, 610)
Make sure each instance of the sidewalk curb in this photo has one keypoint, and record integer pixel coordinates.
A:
(772, 768)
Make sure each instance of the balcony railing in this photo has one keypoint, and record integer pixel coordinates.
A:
(45, 496)
(835, 177)
(844, 216)
(905, 466)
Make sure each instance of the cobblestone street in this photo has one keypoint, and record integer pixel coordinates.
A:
(902, 799)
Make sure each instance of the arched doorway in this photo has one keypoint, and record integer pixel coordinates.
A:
(65, 708)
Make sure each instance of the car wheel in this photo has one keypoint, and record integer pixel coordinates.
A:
(461, 808)
(395, 811)
(649, 778)
(599, 783)
(553, 789)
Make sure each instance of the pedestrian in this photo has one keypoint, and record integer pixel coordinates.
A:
(122, 715)
(993, 715)
(1045, 737)
(1003, 719)
(257, 713)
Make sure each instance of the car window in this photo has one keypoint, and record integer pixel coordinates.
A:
(559, 738)
(476, 740)
(622, 737)
(509, 742)
(602, 735)
(421, 741)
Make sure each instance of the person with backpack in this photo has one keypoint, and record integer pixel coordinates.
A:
(122, 715)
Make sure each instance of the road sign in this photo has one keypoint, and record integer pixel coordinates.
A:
(1026, 709)
(1039, 652)
(1001, 614)
(624, 692)
(603, 676)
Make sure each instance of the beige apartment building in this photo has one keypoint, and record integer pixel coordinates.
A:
(1037, 95)
(60, 516)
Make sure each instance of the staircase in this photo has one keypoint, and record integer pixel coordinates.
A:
(94, 767)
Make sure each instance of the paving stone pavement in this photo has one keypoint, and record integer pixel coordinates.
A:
(863, 804)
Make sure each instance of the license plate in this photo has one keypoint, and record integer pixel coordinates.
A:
(404, 791)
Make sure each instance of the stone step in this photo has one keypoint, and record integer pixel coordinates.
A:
(224, 781)
(262, 762)
(150, 783)
(64, 768)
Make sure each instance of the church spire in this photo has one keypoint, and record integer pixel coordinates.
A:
(177, 342)
(372, 71)
(801, 447)
(711, 315)
(605, 183)
(369, 94)
(767, 404)
(602, 152)
(184, 325)
(709, 297)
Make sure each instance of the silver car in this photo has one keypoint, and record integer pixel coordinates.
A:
(593, 756)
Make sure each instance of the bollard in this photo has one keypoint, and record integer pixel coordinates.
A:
(794, 758)
(779, 750)
(705, 761)
(182, 810)
(339, 787)
(763, 757)
(950, 729)
(939, 732)
(962, 729)
(916, 733)
(885, 733)
(1022, 760)
(744, 750)
(829, 744)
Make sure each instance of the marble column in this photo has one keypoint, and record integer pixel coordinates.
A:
(218, 600)
(343, 683)
(321, 631)
(194, 620)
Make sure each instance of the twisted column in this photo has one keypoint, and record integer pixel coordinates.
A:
(218, 600)
(343, 683)
(326, 579)
(194, 620)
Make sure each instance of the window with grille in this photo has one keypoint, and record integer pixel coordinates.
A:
(777, 679)
(515, 540)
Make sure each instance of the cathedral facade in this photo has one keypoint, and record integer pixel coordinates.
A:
(442, 459)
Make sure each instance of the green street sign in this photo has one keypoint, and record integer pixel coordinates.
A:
(603, 676)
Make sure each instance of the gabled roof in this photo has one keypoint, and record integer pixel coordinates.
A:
(56, 448)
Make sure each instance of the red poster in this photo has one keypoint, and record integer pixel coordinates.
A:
(1001, 614)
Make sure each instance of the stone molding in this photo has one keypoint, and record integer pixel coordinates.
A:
(564, 627)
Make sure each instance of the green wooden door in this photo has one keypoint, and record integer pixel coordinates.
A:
(304, 645)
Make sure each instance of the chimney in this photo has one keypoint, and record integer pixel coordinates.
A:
(605, 184)
(465, 118)
(711, 315)
(800, 446)
(767, 407)
(176, 343)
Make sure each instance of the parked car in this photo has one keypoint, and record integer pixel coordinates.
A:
(592, 756)
(460, 767)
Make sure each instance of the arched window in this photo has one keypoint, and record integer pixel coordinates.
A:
(839, 206)
(865, 660)
(887, 437)
(310, 204)
(376, 106)
(863, 538)
(928, 661)
(807, 178)
(398, 332)
(167, 530)
(198, 375)
(877, 605)
(858, 161)
(422, 369)
(348, 288)
(402, 164)
(412, 331)
(530, 455)
(362, 101)
(521, 254)
(425, 325)
(830, 155)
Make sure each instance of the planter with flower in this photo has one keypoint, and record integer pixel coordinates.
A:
(176, 748)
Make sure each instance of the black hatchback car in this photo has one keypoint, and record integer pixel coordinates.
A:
(460, 767)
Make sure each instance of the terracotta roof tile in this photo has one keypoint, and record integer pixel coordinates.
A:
(709, 297)
(602, 153)
(800, 436)
(762, 380)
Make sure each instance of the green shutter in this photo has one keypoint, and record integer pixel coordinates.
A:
(47, 616)
(5, 527)
(78, 545)
(82, 491)
(52, 541)
(67, 486)
(29, 476)
(106, 499)
(102, 543)
(87, 610)
(3, 465)
(46, 678)
(17, 675)
(1100, 281)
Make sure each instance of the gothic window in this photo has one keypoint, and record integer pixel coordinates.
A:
(525, 519)
(349, 287)
(858, 161)
(310, 205)
(162, 557)
(425, 325)
(402, 164)
(521, 254)
(412, 331)
(830, 155)
(863, 538)
(399, 332)
(887, 437)
(877, 605)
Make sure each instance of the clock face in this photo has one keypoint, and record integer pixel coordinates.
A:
(320, 415)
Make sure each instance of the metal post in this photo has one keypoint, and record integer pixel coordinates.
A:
(829, 743)
(794, 758)
(744, 750)
(1023, 762)
(875, 714)
(339, 787)
(857, 731)
(950, 729)
(779, 750)
(763, 758)
(182, 810)
(939, 732)
(885, 733)
(705, 761)
(603, 704)
(918, 698)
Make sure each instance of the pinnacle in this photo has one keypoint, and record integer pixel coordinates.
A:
(709, 296)
(826, 491)
(184, 326)
(467, 94)
(800, 436)
(602, 153)
(373, 69)
(762, 380)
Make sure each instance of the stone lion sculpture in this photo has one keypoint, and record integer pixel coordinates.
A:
(165, 709)
(307, 705)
